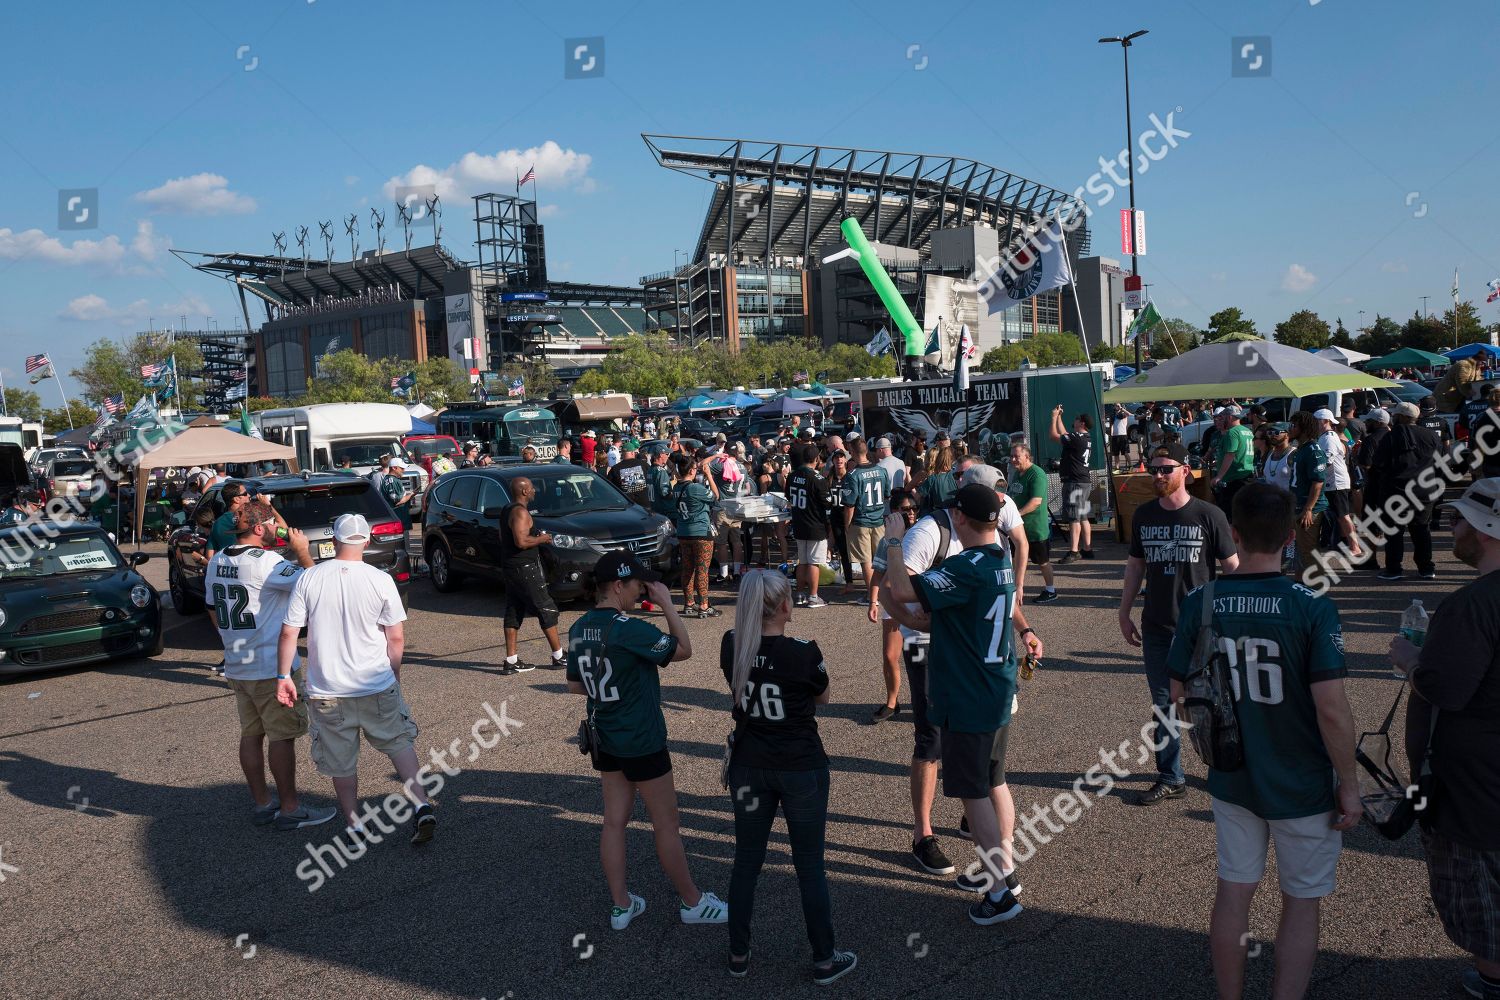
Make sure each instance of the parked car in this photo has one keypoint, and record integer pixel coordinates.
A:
(420, 446)
(66, 477)
(700, 427)
(309, 502)
(68, 596)
(42, 457)
(583, 511)
(1410, 392)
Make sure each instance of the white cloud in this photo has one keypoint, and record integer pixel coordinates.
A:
(1298, 279)
(1393, 267)
(351, 179)
(476, 173)
(88, 308)
(1219, 276)
(200, 194)
(93, 308)
(147, 245)
(548, 211)
(38, 245)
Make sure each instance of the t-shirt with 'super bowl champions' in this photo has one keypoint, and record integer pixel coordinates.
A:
(1181, 549)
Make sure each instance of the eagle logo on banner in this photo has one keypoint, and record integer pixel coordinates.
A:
(958, 422)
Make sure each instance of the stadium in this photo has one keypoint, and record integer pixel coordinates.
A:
(756, 270)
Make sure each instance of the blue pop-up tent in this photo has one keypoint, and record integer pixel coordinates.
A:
(1469, 350)
(785, 406)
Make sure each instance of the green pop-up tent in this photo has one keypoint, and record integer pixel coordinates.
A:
(1407, 357)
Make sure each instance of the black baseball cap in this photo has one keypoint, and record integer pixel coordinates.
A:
(623, 566)
(1175, 452)
(978, 502)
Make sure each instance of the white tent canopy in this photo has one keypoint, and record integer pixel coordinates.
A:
(203, 446)
(1343, 355)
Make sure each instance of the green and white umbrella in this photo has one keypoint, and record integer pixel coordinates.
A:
(1240, 368)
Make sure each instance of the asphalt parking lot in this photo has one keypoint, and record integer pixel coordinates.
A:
(131, 868)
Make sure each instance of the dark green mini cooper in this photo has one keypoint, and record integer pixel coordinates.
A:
(68, 597)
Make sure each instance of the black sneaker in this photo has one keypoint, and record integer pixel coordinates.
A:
(1159, 791)
(985, 883)
(1045, 597)
(1087, 553)
(1069, 557)
(930, 857)
(1390, 575)
(739, 967)
(882, 713)
(843, 961)
(426, 825)
(990, 911)
(709, 612)
(963, 828)
(1428, 574)
(519, 667)
(689, 612)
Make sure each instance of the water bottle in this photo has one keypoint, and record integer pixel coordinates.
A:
(1413, 626)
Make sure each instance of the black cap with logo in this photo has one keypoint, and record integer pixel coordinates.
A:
(623, 566)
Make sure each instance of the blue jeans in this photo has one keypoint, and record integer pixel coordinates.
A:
(1156, 643)
(803, 796)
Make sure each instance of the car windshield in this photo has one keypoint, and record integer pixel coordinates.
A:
(22, 554)
(531, 428)
(365, 452)
(73, 467)
(316, 506)
(573, 493)
(430, 446)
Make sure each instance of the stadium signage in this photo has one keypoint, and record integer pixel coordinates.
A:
(533, 317)
(523, 297)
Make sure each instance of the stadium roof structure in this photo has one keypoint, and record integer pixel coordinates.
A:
(783, 200)
(418, 272)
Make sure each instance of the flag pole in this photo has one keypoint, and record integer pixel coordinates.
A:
(66, 408)
(3, 405)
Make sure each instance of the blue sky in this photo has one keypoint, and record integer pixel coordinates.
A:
(1355, 177)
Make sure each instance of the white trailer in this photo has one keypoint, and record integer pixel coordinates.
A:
(325, 434)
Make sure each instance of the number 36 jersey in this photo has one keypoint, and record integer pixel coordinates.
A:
(616, 658)
(247, 590)
(1280, 639)
(777, 707)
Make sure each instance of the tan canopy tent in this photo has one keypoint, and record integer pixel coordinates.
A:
(204, 446)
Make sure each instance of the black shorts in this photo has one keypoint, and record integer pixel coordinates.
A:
(927, 740)
(1039, 550)
(1119, 444)
(637, 769)
(1075, 500)
(973, 763)
(1338, 503)
(526, 595)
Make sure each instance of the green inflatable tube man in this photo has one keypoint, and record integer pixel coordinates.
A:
(916, 340)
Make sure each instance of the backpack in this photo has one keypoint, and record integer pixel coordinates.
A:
(1209, 702)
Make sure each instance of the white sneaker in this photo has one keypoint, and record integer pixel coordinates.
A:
(815, 602)
(710, 910)
(620, 919)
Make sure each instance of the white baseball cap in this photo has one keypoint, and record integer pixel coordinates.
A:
(351, 528)
(1378, 415)
(1480, 506)
(398, 463)
(1324, 414)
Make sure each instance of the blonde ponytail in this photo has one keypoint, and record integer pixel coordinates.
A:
(762, 591)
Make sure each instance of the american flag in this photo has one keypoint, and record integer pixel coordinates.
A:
(799, 376)
(153, 370)
(517, 387)
(115, 404)
(37, 362)
(530, 176)
(238, 376)
(395, 381)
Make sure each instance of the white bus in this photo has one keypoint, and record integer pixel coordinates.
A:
(27, 434)
(324, 434)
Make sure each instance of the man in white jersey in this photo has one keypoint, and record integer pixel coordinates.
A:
(355, 641)
(247, 590)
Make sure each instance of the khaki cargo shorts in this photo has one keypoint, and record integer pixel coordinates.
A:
(337, 722)
(262, 715)
(862, 542)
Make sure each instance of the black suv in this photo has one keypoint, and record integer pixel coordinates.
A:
(309, 502)
(583, 511)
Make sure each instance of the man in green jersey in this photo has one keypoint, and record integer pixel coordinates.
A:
(659, 483)
(969, 605)
(1308, 466)
(1234, 457)
(867, 490)
(1285, 648)
(1029, 491)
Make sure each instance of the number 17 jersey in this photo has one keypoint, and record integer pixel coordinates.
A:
(247, 590)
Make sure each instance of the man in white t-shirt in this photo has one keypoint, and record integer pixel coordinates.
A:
(893, 466)
(1337, 482)
(355, 641)
(922, 549)
(247, 590)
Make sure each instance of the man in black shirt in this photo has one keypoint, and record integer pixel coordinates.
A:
(1076, 483)
(807, 500)
(1455, 685)
(1174, 541)
(524, 580)
(1401, 456)
(629, 474)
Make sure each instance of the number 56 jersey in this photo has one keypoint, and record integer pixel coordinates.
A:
(617, 658)
(247, 590)
(1280, 639)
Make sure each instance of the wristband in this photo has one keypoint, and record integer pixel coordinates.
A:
(1026, 630)
(283, 677)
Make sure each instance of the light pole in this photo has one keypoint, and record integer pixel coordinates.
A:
(676, 299)
(1135, 265)
(1361, 321)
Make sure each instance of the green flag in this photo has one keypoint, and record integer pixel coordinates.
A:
(1144, 320)
(247, 426)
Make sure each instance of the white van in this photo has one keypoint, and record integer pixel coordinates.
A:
(324, 434)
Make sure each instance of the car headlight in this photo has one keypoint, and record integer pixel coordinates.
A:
(2, 617)
(572, 542)
(140, 595)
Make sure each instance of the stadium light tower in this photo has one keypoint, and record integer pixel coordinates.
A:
(1135, 266)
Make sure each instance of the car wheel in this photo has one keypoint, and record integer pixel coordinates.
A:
(440, 565)
(184, 601)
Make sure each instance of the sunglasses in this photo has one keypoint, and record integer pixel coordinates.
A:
(1164, 470)
(906, 510)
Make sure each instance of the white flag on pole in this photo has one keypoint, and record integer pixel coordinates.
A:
(879, 344)
(1040, 265)
(961, 362)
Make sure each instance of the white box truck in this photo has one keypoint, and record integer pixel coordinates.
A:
(324, 434)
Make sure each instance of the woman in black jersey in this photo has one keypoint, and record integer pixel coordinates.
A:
(777, 758)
